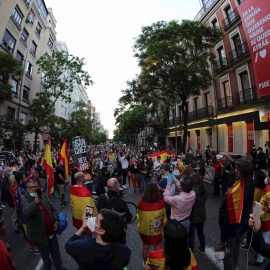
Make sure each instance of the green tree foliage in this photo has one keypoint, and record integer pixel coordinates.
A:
(10, 68)
(60, 74)
(175, 63)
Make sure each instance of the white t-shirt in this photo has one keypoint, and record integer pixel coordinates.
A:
(156, 164)
(124, 162)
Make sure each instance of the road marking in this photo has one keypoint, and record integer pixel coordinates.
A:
(39, 265)
(209, 252)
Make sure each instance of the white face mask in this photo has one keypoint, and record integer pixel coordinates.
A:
(91, 223)
(33, 194)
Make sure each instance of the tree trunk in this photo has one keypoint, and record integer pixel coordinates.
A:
(184, 109)
(35, 142)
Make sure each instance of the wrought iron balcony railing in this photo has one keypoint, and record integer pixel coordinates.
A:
(225, 103)
(232, 17)
(246, 96)
(239, 52)
(222, 64)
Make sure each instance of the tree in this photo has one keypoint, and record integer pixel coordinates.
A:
(175, 61)
(60, 74)
(10, 68)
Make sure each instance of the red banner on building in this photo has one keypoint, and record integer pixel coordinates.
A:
(198, 139)
(188, 136)
(230, 138)
(255, 16)
(250, 135)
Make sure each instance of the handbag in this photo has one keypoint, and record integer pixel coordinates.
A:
(62, 224)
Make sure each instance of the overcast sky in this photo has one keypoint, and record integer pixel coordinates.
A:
(103, 32)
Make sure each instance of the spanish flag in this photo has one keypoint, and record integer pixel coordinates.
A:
(156, 260)
(47, 164)
(63, 155)
(80, 197)
(151, 219)
(235, 201)
(163, 155)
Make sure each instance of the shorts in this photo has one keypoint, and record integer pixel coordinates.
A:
(62, 188)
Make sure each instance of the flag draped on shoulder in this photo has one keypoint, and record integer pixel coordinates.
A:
(47, 164)
(151, 220)
(63, 155)
(156, 260)
(235, 201)
(80, 197)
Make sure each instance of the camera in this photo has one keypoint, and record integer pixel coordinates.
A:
(267, 143)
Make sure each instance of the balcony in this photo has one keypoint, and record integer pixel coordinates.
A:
(202, 113)
(246, 96)
(239, 53)
(222, 64)
(232, 17)
(207, 6)
(225, 103)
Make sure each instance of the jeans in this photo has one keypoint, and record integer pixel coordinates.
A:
(186, 224)
(266, 237)
(52, 248)
(200, 233)
(145, 181)
(124, 175)
(230, 260)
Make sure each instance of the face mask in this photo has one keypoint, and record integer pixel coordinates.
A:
(133, 159)
(266, 181)
(169, 156)
(33, 194)
(91, 223)
(178, 159)
(145, 160)
(158, 160)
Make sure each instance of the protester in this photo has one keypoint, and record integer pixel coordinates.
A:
(157, 166)
(260, 159)
(234, 226)
(124, 164)
(198, 213)
(146, 172)
(6, 262)
(187, 169)
(61, 181)
(151, 218)
(104, 252)
(181, 204)
(42, 223)
(199, 165)
(176, 255)
(134, 173)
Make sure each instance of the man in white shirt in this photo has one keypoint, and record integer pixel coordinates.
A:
(157, 165)
(124, 162)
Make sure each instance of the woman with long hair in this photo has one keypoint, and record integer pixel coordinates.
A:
(151, 218)
(145, 171)
(134, 173)
(176, 254)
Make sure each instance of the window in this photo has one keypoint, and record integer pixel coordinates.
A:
(17, 16)
(29, 69)
(25, 35)
(33, 48)
(11, 113)
(8, 41)
(227, 94)
(43, 8)
(222, 60)
(38, 29)
(31, 17)
(26, 92)
(215, 24)
(196, 104)
(50, 42)
(19, 57)
(244, 81)
(240, 1)
(229, 14)
(246, 90)
(24, 118)
(14, 85)
(238, 45)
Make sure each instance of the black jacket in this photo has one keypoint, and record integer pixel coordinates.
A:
(231, 230)
(260, 246)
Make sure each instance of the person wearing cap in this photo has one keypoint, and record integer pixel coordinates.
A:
(260, 160)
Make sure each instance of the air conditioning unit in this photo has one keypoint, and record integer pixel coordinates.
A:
(11, 44)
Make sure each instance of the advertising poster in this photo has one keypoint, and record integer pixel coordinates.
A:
(255, 15)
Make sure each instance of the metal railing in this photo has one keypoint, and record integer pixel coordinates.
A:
(246, 96)
(222, 64)
(231, 18)
(225, 103)
(205, 9)
(239, 52)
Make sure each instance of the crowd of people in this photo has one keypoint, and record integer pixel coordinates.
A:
(172, 205)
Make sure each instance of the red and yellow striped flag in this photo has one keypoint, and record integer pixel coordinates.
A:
(63, 155)
(80, 197)
(235, 201)
(156, 260)
(47, 164)
(151, 219)
(163, 155)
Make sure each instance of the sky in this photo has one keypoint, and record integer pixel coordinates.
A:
(103, 32)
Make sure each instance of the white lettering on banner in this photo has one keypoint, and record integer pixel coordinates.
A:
(264, 84)
(79, 146)
(251, 12)
(251, 135)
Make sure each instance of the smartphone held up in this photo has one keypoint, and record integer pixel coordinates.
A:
(89, 211)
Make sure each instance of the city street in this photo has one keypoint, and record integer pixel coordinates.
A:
(25, 260)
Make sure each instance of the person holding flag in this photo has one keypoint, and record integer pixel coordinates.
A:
(234, 211)
(64, 156)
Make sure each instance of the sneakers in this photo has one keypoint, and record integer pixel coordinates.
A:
(124, 186)
(201, 250)
(2, 206)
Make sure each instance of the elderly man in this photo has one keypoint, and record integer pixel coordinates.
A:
(113, 201)
(42, 223)
(181, 204)
(234, 211)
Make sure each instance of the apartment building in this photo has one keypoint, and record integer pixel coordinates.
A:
(229, 115)
(27, 32)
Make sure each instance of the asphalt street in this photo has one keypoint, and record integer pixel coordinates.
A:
(25, 260)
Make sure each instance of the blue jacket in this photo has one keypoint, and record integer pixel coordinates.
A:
(91, 255)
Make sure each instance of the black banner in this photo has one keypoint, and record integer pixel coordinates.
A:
(80, 150)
